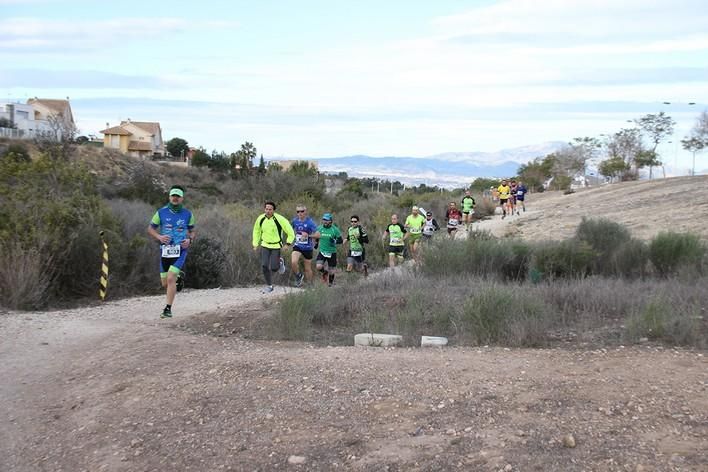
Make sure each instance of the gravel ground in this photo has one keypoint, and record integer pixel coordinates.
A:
(114, 388)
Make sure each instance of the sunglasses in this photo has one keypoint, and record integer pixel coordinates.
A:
(355, 221)
(299, 211)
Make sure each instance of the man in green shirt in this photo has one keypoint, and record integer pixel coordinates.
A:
(414, 226)
(330, 236)
(268, 239)
(356, 237)
(396, 235)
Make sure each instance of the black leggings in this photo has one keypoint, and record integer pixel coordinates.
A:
(270, 262)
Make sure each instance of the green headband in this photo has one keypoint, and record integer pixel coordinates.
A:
(176, 191)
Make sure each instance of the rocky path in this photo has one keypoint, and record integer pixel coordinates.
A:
(113, 388)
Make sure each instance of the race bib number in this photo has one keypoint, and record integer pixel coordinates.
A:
(415, 230)
(357, 253)
(396, 241)
(326, 255)
(171, 250)
(453, 222)
(519, 193)
(302, 238)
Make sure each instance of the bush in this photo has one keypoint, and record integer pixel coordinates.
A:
(25, 277)
(500, 315)
(565, 259)
(604, 237)
(663, 320)
(205, 263)
(630, 259)
(670, 252)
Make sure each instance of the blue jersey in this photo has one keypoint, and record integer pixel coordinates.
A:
(308, 227)
(521, 192)
(175, 224)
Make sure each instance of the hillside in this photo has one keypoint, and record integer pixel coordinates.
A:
(645, 207)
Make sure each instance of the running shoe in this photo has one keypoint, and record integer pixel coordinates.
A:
(366, 270)
(267, 289)
(298, 279)
(180, 281)
(281, 269)
(166, 313)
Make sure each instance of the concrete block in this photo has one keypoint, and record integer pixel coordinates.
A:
(432, 341)
(379, 340)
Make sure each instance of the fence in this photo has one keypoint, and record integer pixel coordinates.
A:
(26, 134)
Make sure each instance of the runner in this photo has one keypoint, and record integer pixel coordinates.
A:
(521, 192)
(396, 235)
(305, 233)
(452, 216)
(356, 237)
(512, 196)
(468, 204)
(495, 194)
(268, 239)
(173, 226)
(414, 226)
(504, 192)
(430, 226)
(326, 260)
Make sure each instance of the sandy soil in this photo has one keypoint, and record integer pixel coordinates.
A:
(111, 387)
(645, 207)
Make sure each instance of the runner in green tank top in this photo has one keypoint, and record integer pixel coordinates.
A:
(396, 235)
(414, 225)
(468, 204)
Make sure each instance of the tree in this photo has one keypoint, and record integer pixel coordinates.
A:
(261, 166)
(480, 184)
(177, 147)
(242, 160)
(274, 167)
(303, 169)
(647, 158)
(657, 128)
(200, 158)
(535, 173)
(62, 130)
(614, 167)
(693, 144)
(627, 145)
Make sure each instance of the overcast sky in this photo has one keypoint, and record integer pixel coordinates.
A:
(331, 78)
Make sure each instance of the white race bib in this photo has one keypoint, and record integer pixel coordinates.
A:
(171, 250)
(302, 238)
(396, 241)
(415, 230)
(453, 222)
(519, 193)
(357, 253)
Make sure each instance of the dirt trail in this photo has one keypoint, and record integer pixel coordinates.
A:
(111, 387)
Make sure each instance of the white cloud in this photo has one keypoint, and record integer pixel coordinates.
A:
(42, 35)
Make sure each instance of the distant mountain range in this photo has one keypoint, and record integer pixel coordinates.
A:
(450, 169)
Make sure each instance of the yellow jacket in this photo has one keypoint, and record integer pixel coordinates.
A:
(266, 233)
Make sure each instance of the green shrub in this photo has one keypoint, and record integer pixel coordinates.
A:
(500, 315)
(605, 237)
(670, 252)
(664, 320)
(205, 263)
(630, 259)
(565, 259)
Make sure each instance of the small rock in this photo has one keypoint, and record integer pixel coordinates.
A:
(216, 325)
(569, 441)
(296, 460)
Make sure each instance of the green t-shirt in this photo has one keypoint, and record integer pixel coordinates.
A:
(395, 234)
(328, 239)
(467, 204)
(353, 235)
(415, 223)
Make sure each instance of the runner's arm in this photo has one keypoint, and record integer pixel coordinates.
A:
(257, 233)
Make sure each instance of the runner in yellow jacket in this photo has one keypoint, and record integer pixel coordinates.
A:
(268, 239)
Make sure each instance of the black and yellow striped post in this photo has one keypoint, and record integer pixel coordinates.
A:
(103, 289)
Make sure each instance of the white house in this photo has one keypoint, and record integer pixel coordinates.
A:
(137, 138)
(38, 117)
